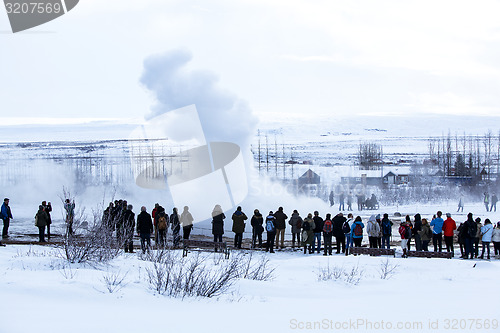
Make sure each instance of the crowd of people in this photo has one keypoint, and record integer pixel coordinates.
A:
(308, 233)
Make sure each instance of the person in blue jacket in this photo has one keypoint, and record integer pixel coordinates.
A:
(437, 231)
(6, 215)
(357, 231)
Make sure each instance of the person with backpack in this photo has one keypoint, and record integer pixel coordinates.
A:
(238, 226)
(162, 223)
(486, 232)
(386, 231)
(280, 227)
(478, 237)
(417, 227)
(437, 232)
(308, 233)
(175, 225)
(449, 226)
(495, 238)
(296, 223)
(186, 220)
(327, 234)
(425, 235)
(257, 222)
(318, 230)
(271, 231)
(144, 229)
(373, 230)
(357, 231)
(338, 223)
(41, 219)
(409, 224)
(218, 223)
(405, 233)
(470, 231)
(346, 229)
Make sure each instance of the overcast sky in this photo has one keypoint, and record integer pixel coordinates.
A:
(338, 57)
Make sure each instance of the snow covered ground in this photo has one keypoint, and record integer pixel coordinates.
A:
(40, 292)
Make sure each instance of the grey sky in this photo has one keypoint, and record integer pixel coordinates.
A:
(338, 57)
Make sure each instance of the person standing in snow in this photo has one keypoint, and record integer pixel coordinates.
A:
(47, 207)
(162, 224)
(494, 200)
(495, 238)
(318, 230)
(41, 219)
(338, 223)
(69, 207)
(461, 205)
(346, 229)
(332, 198)
(128, 220)
(175, 225)
(327, 234)
(357, 231)
(341, 201)
(437, 232)
(386, 231)
(361, 201)
(144, 229)
(373, 230)
(186, 220)
(405, 233)
(478, 236)
(280, 227)
(271, 232)
(238, 226)
(218, 223)
(486, 201)
(296, 223)
(408, 223)
(449, 226)
(417, 227)
(349, 201)
(257, 229)
(470, 231)
(6, 216)
(486, 232)
(425, 235)
(308, 233)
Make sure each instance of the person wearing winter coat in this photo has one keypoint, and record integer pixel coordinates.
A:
(271, 232)
(41, 219)
(486, 201)
(346, 229)
(341, 201)
(487, 233)
(470, 231)
(417, 226)
(437, 232)
(218, 223)
(308, 233)
(405, 233)
(373, 231)
(425, 235)
(338, 223)
(257, 229)
(357, 231)
(296, 223)
(460, 204)
(349, 201)
(162, 224)
(327, 234)
(186, 220)
(69, 207)
(6, 216)
(144, 229)
(175, 225)
(494, 200)
(386, 230)
(238, 226)
(449, 226)
(332, 198)
(495, 238)
(318, 230)
(47, 207)
(280, 227)
(478, 237)
(127, 229)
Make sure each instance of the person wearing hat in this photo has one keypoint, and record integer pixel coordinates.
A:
(257, 222)
(449, 226)
(6, 216)
(437, 231)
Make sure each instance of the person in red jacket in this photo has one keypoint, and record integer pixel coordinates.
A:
(449, 226)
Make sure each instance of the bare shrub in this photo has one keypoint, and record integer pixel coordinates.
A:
(114, 281)
(67, 272)
(259, 270)
(387, 269)
(338, 273)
